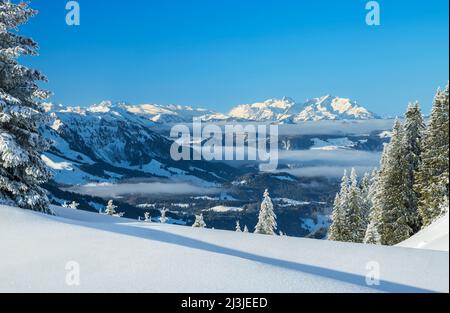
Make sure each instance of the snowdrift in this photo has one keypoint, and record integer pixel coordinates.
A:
(434, 237)
(120, 255)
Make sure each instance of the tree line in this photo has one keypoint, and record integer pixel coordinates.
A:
(409, 190)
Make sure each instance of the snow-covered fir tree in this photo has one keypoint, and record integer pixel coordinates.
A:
(238, 227)
(414, 128)
(432, 176)
(372, 235)
(444, 206)
(366, 199)
(392, 195)
(336, 232)
(110, 208)
(21, 169)
(73, 205)
(267, 221)
(413, 178)
(163, 219)
(199, 222)
(147, 217)
(246, 229)
(354, 217)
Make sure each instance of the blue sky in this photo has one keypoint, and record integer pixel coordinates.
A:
(220, 53)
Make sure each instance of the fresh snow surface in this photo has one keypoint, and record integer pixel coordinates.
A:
(434, 237)
(120, 255)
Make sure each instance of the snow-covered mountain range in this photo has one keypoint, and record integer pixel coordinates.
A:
(112, 144)
(327, 108)
(285, 111)
(270, 110)
(106, 142)
(110, 141)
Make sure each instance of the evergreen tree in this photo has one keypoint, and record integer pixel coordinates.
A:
(432, 176)
(199, 222)
(366, 199)
(163, 218)
(246, 229)
(336, 232)
(414, 129)
(444, 206)
(74, 205)
(267, 221)
(354, 219)
(147, 217)
(110, 208)
(21, 169)
(238, 227)
(392, 195)
(372, 235)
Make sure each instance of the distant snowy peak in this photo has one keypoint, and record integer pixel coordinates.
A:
(287, 110)
(270, 110)
(103, 107)
(327, 108)
(153, 113)
(168, 113)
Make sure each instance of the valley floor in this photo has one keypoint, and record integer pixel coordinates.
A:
(120, 255)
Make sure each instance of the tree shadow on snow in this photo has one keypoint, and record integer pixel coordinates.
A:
(175, 239)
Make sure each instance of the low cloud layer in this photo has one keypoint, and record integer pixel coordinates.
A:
(155, 188)
(313, 163)
(332, 157)
(327, 171)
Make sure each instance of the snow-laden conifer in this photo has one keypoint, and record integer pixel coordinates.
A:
(392, 195)
(73, 205)
(238, 227)
(354, 216)
(433, 174)
(372, 235)
(267, 221)
(22, 170)
(414, 129)
(163, 219)
(366, 199)
(199, 222)
(110, 208)
(336, 232)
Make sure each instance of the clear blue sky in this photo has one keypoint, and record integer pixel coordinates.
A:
(219, 53)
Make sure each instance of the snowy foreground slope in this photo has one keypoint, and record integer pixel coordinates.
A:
(119, 255)
(434, 237)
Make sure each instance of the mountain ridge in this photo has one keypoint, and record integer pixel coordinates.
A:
(285, 110)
